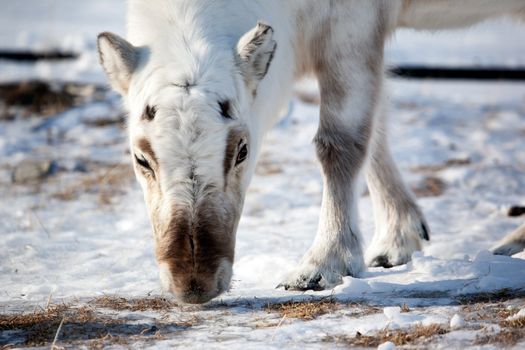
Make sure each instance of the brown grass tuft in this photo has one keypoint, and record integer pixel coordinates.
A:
(514, 323)
(405, 308)
(139, 304)
(309, 310)
(506, 337)
(35, 97)
(489, 313)
(40, 327)
(451, 163)
(501, 295)
(43, 98)
(86, 325)
(416, 335)
(102, 122)
(431, 186)
(305, 310)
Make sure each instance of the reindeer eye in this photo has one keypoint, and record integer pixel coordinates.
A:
(149, 113)
(225, 109)
(143, 163)
(242, 155)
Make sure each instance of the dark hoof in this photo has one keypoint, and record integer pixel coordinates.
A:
(507, 249)
(502, 251)
(424, 233)
(381, 261)
(304, 284)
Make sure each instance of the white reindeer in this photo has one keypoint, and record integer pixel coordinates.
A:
(202, 86)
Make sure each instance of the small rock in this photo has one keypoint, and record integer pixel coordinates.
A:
(32, 169)
(387, 346)
(457, 322)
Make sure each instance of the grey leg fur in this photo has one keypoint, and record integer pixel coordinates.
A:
(513, 243)
(400, 224)
(349, 70)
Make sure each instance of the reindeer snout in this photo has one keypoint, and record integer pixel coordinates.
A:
(196, 288)
(197, 292)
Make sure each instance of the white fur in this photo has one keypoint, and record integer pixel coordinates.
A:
(198, 47)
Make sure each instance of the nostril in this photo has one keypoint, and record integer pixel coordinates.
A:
(195, 288)
(196, 293)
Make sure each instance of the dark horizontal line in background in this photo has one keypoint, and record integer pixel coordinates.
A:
(467, 73)
(410, 72)
(32, 56)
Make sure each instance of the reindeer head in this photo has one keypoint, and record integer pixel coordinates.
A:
(192, 147)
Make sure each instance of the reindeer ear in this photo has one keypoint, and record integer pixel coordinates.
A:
(256, 49)
(119, 59)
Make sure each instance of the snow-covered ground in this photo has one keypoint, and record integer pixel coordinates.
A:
(83, 232)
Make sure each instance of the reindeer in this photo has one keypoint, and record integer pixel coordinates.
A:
(203, 86)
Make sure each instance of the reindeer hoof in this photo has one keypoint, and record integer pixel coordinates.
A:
(509, 248)
(303, 284)
(395, 244)
(381, 261)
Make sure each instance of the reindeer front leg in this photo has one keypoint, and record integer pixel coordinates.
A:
(349, 71)
(400, 224)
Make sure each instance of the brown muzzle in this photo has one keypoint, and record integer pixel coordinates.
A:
(195, 254)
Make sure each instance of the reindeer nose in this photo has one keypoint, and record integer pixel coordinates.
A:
(195, 287)
(197, 292)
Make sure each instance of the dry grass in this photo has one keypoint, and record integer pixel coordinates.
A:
(490, 313)
(413, 336)
(28, 98)
(487, 312)
(87, 325)
(105, 321)
(518, 322)
(512, 331)
(451, 163)
(40, 327)
(480, 313)
(139, 304)
(309, 310)
(506, 337)
(501, 295)
(107, 121)
(405, 308)
(431, 186)
(305, 310)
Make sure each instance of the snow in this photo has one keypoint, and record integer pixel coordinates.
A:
(392, 312)
(519, 314)
(67, 26)
(387, 346)
(457, 322)
(79, 249)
